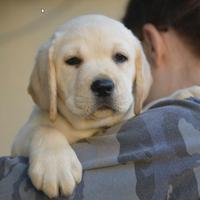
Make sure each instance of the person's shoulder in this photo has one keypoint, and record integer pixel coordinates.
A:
(188, 103)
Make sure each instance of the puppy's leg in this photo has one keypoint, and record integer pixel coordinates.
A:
(54, 165)
(193, 91)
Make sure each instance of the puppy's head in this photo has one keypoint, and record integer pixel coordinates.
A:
(93, 68)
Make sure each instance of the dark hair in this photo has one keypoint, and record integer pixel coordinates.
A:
(181, 15)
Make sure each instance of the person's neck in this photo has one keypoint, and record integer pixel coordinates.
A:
(185, 72)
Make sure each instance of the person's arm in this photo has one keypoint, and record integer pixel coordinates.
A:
(155, 155)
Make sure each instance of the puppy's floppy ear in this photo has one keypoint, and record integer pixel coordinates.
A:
(52, 86)
(143, 79)
(42, 86)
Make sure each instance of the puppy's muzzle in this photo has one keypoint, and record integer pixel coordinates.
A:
(102, 88)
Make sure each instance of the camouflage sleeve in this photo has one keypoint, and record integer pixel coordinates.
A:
(154, 156)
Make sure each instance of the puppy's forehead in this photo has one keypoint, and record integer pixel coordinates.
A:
(89, 21)
(88, 26)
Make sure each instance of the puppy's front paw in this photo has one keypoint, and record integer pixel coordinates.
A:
(55, 171)
(193, 91)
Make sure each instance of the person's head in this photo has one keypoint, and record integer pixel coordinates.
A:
(170, 32)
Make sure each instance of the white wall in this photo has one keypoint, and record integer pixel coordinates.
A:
(23, 28)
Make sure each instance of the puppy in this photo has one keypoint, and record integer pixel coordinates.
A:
(91, 74)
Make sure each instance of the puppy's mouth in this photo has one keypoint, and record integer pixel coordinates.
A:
(105, 107)
(103, 111)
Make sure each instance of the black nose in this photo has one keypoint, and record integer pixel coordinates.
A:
(102, 87)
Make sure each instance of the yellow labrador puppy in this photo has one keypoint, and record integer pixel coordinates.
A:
(91, 74)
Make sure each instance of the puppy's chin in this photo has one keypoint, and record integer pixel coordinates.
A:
(102, 113)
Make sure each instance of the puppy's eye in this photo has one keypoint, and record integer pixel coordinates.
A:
(120, 58)
(73, 61)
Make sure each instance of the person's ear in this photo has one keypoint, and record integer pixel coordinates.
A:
(154, 43)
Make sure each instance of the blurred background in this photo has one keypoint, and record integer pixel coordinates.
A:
(24, 26)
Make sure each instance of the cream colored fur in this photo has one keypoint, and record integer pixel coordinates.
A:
(66, 110)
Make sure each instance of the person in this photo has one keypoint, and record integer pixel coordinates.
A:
(170, 32)
(156, 154)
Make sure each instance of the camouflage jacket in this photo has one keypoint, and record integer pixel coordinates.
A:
(154, 156)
